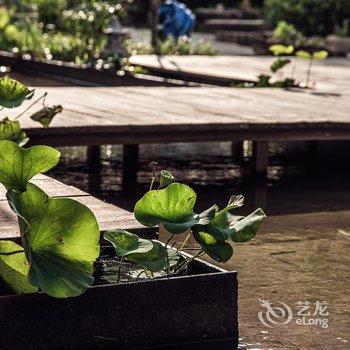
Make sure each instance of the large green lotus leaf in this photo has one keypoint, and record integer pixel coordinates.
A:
(218, 251)
(126, 242)
(11, 130)
(18, 166)
(14, 268)
(13, 93)
(62, 241)
(171, 206)
(45, 115)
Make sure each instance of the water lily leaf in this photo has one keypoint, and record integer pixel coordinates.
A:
(218, 251)
(279, 63)
(14, 268)
(18, 166)
(45, 115)
(221, 217)
(13, 93)
(11, 130)
(156, 259)
(61, 241)
(171, 206)
(126, 242)
(245, 229)
(279, 49)
(166, 178)
(238, 228)
(320, 55)
(149, 254)
(303, 54)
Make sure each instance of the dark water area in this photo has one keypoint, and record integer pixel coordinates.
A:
(299, 181)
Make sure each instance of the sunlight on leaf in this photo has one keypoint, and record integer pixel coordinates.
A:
(303, 54)
(171, 206)
(279, 49)
(320, 55)
(14, 268)
(62, 241)
(11, 130)
(13, 93)
(18, 166)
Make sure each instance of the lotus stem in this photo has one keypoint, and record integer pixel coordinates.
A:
(185, 241)
(120, 269)
(32, 104)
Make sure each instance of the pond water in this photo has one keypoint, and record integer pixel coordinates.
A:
(296, 179)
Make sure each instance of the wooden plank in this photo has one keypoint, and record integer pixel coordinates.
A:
(108, 216)
(135, 115)
(333, 72)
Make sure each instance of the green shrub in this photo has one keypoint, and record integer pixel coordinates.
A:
(311, 17)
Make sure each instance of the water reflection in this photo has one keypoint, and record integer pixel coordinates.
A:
(295, 181)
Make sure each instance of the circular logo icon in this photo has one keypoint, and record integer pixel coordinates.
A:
(274, 315)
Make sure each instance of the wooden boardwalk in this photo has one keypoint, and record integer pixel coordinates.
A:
(108, 216)
(131, 116)
(333, 73)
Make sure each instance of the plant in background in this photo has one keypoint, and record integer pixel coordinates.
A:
(311, 56)
(60, 236)
(276, 67)
(310, 17)
(13, 94)
(171, 207)
(288, 34)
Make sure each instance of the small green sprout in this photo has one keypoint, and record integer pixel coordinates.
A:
(311, 56)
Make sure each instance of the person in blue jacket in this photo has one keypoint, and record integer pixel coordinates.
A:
(176, 19)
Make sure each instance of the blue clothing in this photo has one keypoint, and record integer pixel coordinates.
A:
(176, 19)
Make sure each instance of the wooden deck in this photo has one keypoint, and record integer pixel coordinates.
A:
(108, 216)
(333, 73)
(131, 116)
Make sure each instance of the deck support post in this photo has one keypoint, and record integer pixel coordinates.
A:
(237, 151)
(260, 157)
(93, 160)
(260, 162)
(130, 167)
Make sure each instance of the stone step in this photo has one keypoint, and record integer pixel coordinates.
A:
(243, 38)
(247, 25)
(203, 14)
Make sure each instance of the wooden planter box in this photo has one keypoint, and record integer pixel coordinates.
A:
(197, 311)
(72, 73)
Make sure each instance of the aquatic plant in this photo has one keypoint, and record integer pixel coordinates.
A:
(171, 208)
(60, 236)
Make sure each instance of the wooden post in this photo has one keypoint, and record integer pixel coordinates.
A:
(260, 157)
(130, 167)
(237, 151)
(93, 160)
(154, 22)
